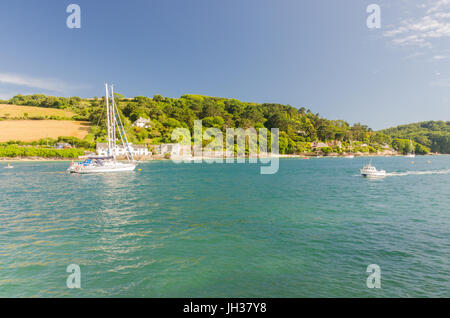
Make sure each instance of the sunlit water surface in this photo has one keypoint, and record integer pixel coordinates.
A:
(225, 230)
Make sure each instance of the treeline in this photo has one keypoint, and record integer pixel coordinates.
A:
(15, 151)
(432, 134)
(405, 146)
(298, 127)
(46, 101)
(73, 141)
(75, 103)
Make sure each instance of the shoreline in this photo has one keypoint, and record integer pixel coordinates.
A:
(280, 156)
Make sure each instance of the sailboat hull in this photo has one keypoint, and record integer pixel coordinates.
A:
(113, 167)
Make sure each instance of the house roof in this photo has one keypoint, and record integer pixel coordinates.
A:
(316, 144)
(104, 145)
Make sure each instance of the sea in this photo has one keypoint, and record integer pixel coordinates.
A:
(316, 228)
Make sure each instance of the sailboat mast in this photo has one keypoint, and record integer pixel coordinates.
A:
(113, 123)
(114, 128)
(108, 116)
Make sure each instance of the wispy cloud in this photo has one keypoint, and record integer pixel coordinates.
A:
(413, 55)
(440, 57)
(444, 82)
(420, 31)
(41, 83)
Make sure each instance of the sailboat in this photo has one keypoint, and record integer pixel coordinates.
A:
(411, 154)
(9, 166)
(350, 155)
(108, 163)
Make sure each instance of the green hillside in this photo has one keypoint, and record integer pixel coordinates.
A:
(299, 127)
(432, 134)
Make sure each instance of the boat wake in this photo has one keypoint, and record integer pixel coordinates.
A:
(408, 173)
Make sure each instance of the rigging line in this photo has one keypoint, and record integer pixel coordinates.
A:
(115, 116)
(122, 130)
(121, 136)
(103, 110)
(119, 123)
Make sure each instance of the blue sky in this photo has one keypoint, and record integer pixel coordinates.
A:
(313, 53)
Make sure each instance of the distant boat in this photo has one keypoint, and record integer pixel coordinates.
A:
(9, 166)
(108, 163)
(370, 171)
(411, 154)
(350, 155)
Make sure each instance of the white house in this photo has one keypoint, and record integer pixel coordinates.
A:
(317, 144)
(142, 123)
(175, 150)
(120, 150)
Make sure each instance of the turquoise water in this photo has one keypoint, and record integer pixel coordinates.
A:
(224, 230)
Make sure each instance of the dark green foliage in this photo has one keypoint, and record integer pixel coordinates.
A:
(298, 127)
(434, 135)
(14, 151)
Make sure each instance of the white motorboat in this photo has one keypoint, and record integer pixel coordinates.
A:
(108, 163)
(370, 171)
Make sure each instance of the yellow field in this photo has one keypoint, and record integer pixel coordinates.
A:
(17, 111)
(30, 130)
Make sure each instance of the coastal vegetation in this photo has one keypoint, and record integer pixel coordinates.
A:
(432, 134)
(301, 130)
(15, 151)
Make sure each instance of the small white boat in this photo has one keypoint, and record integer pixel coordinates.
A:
(350, 155)
(9, 166)
(370, 171)
(411, 154)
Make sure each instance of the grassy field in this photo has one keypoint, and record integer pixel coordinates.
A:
(30, 130)
(16, 111)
